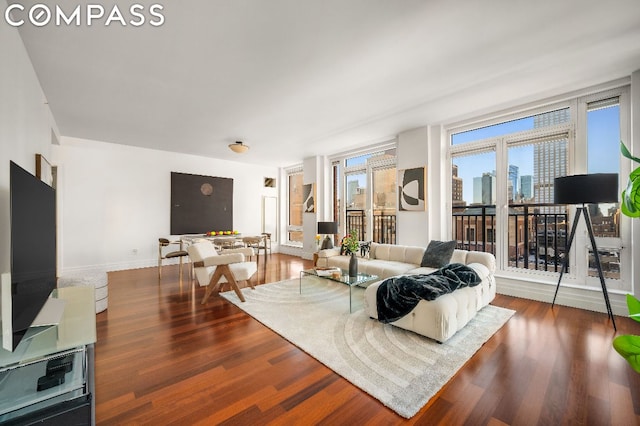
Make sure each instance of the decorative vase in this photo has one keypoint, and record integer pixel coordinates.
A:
(353, 265)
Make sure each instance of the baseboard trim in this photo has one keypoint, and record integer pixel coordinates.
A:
(590, 299)
(116, 266)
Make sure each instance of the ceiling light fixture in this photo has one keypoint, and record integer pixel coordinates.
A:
(238, 147)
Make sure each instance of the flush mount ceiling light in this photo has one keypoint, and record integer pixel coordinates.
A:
(238, 147)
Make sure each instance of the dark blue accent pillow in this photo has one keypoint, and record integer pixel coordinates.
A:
(438, 254)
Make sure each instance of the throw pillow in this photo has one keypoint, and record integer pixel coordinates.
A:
(364, 249)
(438, 253)
(372, 250)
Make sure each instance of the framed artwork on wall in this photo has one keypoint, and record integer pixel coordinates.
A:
(45, 171)
(412, 189)
(200, 204)
(309, 197)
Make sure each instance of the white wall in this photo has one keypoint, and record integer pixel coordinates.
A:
(439, 192)
(115, 200)
(26, 124)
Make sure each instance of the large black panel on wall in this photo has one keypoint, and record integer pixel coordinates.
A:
(200, 204)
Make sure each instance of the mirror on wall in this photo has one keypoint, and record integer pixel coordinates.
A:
(270, 216)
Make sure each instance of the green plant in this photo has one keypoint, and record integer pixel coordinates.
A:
(630, 204)
(350, 243)
(628, 345)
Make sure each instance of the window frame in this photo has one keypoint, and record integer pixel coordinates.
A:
(576, 164)
(289, 227)
(339, 161)
(624, 242)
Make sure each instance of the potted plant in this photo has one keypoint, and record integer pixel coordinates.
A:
(350, 246)
(628, 345)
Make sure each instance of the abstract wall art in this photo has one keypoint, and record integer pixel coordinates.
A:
(411, 189)
(200, 204)
(308, 195)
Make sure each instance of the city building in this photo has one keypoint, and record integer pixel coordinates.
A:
(513, 182)
(526, 188)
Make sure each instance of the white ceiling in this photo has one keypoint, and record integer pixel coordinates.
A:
(298, 78)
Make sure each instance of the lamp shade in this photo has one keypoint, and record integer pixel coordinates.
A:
(327, 227)
(586, 189)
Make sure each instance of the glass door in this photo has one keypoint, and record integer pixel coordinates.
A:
(356, 204)
(383, 202)
(369, 197)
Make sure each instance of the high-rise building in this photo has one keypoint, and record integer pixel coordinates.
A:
(488, 188)
(549, 157)
(384, 190)
(513, 179)
(456, 188)
(477, 190)
(352, 191)
(526, 187)
(484, 189)
(549, 162)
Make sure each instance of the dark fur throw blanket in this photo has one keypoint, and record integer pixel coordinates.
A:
(397, 296)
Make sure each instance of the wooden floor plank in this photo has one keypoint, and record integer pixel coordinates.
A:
(163, 358)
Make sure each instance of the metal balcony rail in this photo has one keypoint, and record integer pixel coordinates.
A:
(537, 233)
(384, 226)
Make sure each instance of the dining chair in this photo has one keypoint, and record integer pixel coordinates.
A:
(162, 244)
(267, 242)
(254, 243)
(225, 243)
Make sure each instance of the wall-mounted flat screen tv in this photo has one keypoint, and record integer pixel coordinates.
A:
(33, 252)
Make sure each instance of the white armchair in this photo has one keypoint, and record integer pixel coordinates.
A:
(213, 269)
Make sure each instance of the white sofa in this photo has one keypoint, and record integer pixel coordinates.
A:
(438, 319)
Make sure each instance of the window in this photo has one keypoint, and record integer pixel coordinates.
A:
(603, 156)
(537, 230)
(294, 216)
(336, 190)
(384, 199)
(537, 121)
(603, 148)
(369, 182)
(512, 164)
(502, 187)
(473, 202)
(356, 195)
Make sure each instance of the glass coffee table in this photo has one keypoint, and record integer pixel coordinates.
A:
(343, 278)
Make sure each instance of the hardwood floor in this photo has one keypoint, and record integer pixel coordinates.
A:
(163, 358)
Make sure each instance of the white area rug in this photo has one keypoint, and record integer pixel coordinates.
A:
(400, 368)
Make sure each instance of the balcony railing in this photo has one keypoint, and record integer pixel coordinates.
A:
(384, 226)
(537, 233)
